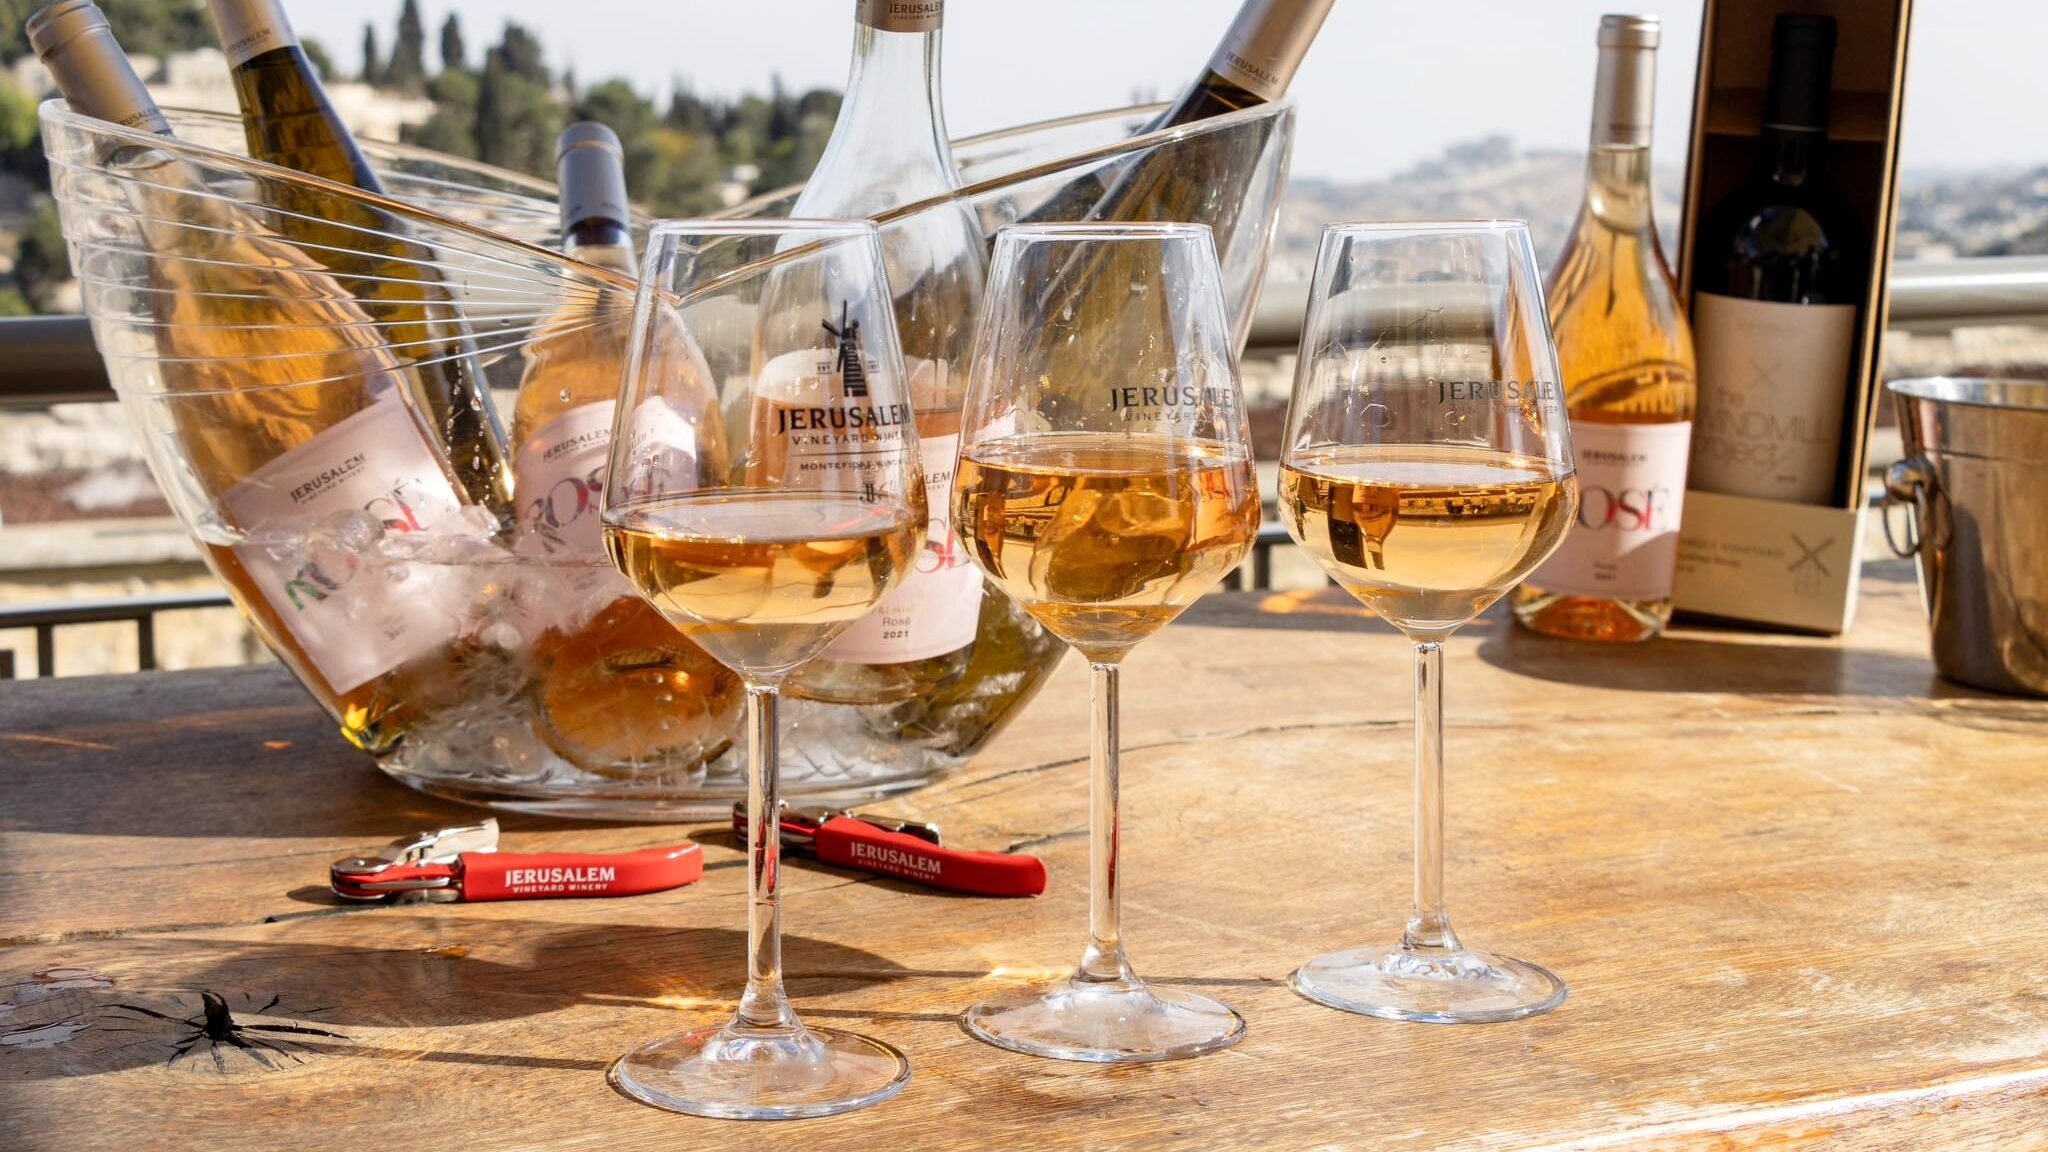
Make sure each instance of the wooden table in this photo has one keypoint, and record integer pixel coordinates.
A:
(1799, 889)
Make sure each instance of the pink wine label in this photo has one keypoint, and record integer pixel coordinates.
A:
(356, 613)
(938, 606)
(559, 481)
(1773, 378)
(1631, 496)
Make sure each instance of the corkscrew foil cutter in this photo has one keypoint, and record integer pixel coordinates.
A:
(904, 849)
(463, 863)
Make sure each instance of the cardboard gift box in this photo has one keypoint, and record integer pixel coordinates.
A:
(1772, 562)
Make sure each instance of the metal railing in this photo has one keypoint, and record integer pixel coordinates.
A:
(51, 360)
(142, 611)
(1926, 296)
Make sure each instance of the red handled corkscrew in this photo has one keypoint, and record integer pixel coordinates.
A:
(905, 849)
(465, 864)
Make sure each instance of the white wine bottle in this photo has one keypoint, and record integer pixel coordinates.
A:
(887, 149)
(619, 691)
(1626, 357)
(1775, 297)
(1253, 64)
(275, 405)
(289, 122)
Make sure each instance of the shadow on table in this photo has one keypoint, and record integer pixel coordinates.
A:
(291, 1003)
(1742, 664)
(251, 757)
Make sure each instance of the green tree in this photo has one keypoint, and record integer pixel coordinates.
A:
(517, 115)
(145, 27)
(41, 262)
(452, 127)
(687, 113)
(407, 68)
(454, 55)
(520, 54)
(370, 57)
(317, 53)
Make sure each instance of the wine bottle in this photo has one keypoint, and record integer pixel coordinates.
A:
(289, 122)
(1775, 296)
(1626, 358)
(887, 149)
(620, 692)
(302, 478)
(1252, 64)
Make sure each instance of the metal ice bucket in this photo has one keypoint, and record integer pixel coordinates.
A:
(1975, 481)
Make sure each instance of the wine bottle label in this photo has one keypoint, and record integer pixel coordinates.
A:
(937, 607)
(249, 28)
(1773, 378)
(559, 481)
(662, 446)
(1631, 497)
(314, 510)
(818, 427)
(901, 15)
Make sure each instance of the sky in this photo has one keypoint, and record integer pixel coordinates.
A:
(1387, 84)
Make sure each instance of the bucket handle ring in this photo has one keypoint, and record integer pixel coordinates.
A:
(1911, 483)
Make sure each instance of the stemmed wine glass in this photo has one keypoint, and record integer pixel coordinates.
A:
(1104, 483)
(1428, 467)
(762, 533)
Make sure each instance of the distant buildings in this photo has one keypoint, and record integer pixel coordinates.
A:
(199, 79)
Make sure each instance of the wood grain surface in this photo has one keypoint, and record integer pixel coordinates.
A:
(1798, 887)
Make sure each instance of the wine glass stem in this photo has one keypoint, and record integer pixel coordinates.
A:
(1104, 961)
(1429, 927)
(764, 1006)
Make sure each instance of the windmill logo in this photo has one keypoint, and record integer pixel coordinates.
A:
(852, 372)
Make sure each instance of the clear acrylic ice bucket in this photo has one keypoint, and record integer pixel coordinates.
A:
(224, 296)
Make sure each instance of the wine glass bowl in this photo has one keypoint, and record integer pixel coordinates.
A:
(762, 521)
(1427, 467)
(1105, 483)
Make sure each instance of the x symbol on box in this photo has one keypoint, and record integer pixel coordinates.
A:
(1763, 372)
(1809, 554)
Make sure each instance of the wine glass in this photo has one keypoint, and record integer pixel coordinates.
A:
(1428, 467)
(762, 527)
(1104, 483)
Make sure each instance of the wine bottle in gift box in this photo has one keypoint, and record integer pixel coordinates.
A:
(290, 122)
(620, 692)
(295, 428)
(1776, 291)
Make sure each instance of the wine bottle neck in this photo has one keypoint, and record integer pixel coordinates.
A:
(1266, 44)
(892, 92)
(590, 176)
(1786, 156)
(602, 242)
(1618, 189)
(1625, 88)
(888, 146)
(1624, 107)
(250, 28)
(73, 41)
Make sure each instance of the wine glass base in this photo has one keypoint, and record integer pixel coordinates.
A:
(735, 1073)
(1456, 986)
(1105, 1023)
